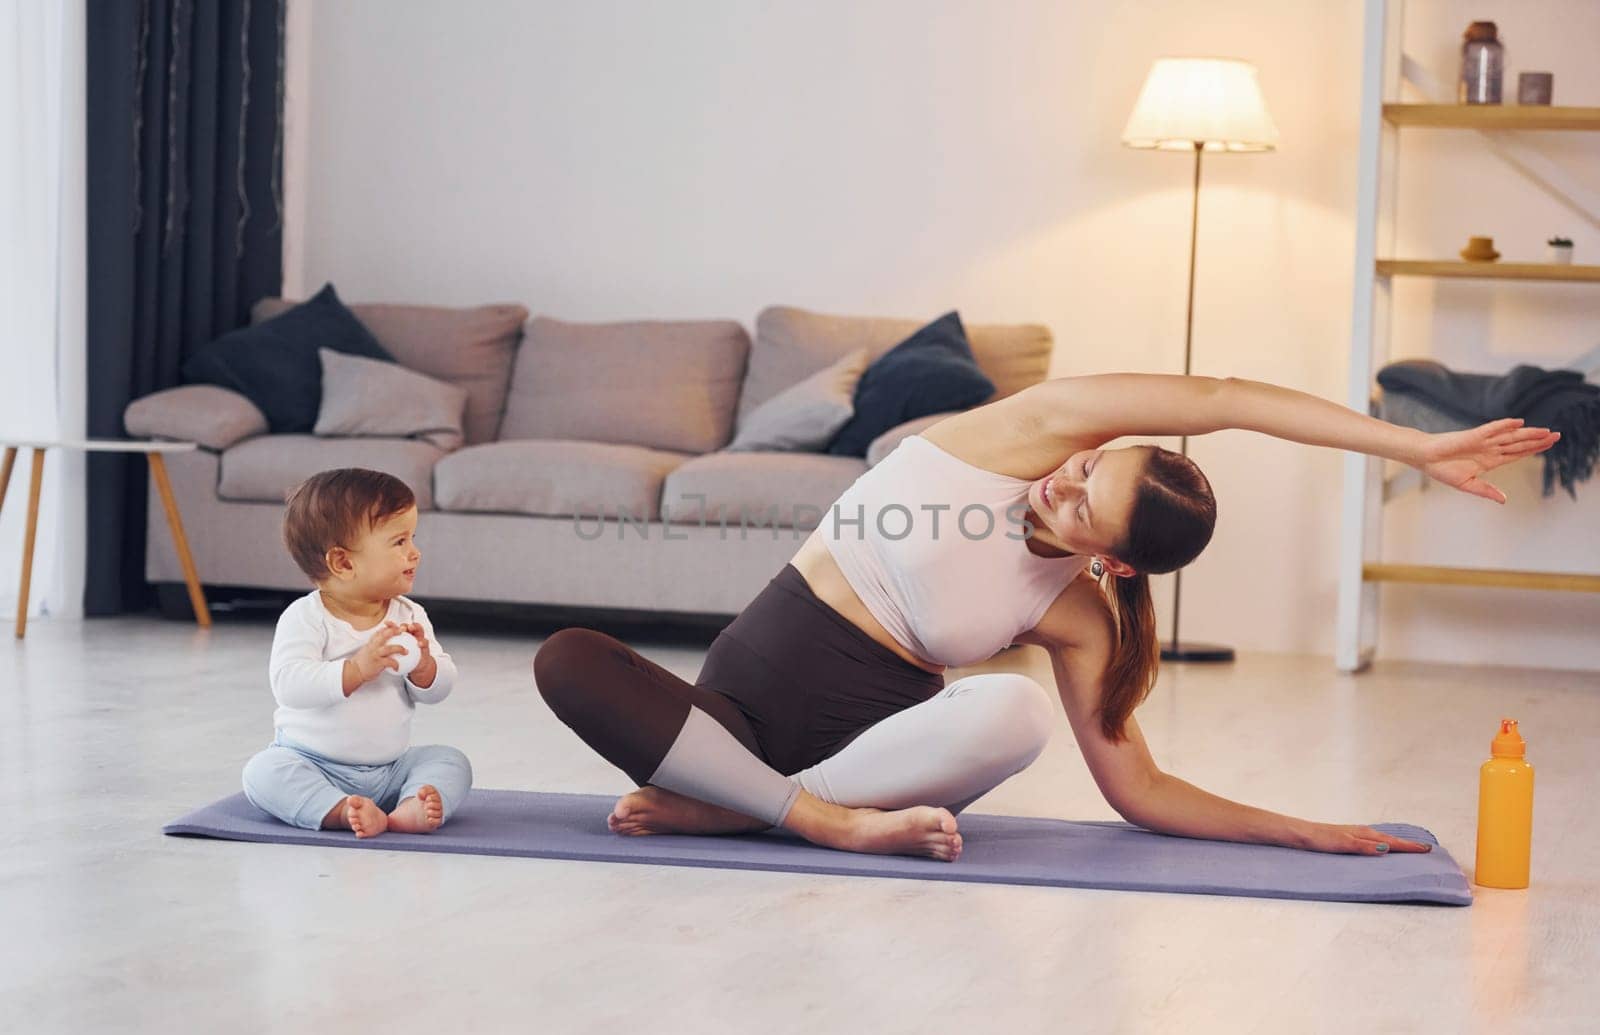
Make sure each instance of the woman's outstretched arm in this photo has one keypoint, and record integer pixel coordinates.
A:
(1130, 779)
(1107, 406)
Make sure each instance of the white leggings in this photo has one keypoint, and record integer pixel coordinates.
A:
(949, 750)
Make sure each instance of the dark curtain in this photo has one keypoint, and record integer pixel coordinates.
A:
(185, 114)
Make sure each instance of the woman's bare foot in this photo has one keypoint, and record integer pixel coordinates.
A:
(419, 814)
(655, 810)
(921, 830)
(363, 816)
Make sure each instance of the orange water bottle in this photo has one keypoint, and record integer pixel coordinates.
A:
(1505, 812)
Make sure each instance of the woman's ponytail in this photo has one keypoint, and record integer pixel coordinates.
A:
(1132, 671)
(1174, 514)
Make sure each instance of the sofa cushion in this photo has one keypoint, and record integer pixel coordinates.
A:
(265, 469)
(930, 372)
(665, 385)
(471, 348)
(792, 344)
(806, 416)
(213, 417)
(274, 363)
(367, 398)
(781, 490)
(555, 478)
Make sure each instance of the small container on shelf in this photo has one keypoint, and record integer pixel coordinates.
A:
(1482, 65)
(1560, 251)
(1535, 87)
(1480, 249)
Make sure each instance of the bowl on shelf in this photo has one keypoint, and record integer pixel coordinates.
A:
(1480, 249)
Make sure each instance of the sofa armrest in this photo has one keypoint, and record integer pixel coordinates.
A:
(214, 417)
(884, 444)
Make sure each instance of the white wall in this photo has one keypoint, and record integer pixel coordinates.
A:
(618, 159)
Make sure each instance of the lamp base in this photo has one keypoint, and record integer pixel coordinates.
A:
(1183, 651)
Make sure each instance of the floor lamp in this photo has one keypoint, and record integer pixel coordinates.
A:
(1198, 105)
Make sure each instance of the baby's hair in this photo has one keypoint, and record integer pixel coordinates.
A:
(335, 508)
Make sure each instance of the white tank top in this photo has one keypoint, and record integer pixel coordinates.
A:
(935, 548)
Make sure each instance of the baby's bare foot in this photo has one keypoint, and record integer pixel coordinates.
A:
(655, 810)
(363, 816)
(420, 814)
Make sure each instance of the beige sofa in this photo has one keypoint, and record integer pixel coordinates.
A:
(592, 475)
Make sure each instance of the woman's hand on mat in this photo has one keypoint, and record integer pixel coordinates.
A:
(377, 654)
(1356, 840)
(1458, 458)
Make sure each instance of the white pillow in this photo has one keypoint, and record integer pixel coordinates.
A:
(371, 397)
(805, 416)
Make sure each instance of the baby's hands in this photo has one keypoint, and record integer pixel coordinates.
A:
(426, 668)
(377, 654)
(415, 629)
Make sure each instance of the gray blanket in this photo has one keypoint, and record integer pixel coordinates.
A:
(1560, 400)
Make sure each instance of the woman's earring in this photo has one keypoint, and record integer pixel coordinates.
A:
(1096, 568)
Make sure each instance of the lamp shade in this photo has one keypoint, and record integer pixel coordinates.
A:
(1213, 102)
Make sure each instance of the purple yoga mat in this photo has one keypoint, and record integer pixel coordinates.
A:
(996, 850)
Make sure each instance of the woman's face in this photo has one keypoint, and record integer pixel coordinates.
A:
(1085, 505)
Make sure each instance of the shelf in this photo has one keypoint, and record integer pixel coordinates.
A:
(1489, 270)
(1492, 116)
(1384, 127)
(1497, 578)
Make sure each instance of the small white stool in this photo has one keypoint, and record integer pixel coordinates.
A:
(158, 471)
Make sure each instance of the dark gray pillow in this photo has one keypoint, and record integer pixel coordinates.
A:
(930, 372)
(274, 364)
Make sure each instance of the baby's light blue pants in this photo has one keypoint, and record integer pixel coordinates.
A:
(300, 787)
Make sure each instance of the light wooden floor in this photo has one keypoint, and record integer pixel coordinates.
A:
(111, 728)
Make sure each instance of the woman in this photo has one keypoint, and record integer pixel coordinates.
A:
(821, 708)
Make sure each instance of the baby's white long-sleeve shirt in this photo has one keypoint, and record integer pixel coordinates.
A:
(373, 725)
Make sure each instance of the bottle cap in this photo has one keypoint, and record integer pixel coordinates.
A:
(1481, 32)
(1508, 743)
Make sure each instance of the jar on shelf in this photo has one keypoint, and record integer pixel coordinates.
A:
(1482, 65)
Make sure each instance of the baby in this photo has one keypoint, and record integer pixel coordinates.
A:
(341, 758)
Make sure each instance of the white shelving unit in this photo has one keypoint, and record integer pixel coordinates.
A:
(1361, 569)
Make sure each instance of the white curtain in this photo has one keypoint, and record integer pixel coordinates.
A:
(41, 254)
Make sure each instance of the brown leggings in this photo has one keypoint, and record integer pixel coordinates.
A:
(790, 678)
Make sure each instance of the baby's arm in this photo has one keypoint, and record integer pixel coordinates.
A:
(435, 676)
(300, 677)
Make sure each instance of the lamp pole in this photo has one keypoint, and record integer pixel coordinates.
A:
(1186, 103)
(1176, 650)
